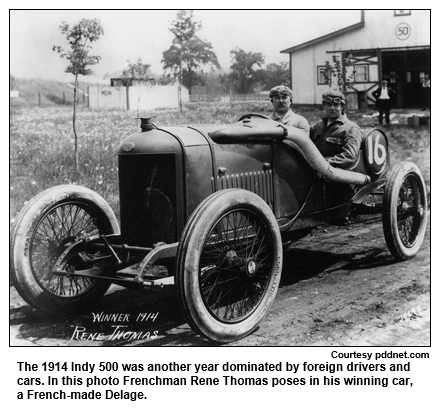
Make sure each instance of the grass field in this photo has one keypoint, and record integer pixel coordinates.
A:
(42, 146)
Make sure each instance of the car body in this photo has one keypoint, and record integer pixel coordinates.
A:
(209, 205)
(267, 166)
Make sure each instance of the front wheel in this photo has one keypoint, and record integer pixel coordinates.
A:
(49, 225)
(404, 210)
(229, 264)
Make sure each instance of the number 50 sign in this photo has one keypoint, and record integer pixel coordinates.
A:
(402, 31)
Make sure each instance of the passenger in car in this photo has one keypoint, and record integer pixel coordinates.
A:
(281, 98)
(337, 138)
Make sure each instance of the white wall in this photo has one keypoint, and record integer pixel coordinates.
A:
(147, 97)
(136, 98)
(107, 97)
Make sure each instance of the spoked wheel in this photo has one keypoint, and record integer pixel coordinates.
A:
(229, 264)
(405, 210)
(49, 225)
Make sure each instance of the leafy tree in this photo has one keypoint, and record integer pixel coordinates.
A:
(244, 69)
(188, 52)
(214, 82)
(12, 82)
(79, 37)
(137, 72)
(274, 74)
(165, 79)
(336, 73)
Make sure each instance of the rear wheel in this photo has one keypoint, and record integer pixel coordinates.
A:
(405, 210)
(229, 263)
(50, 224)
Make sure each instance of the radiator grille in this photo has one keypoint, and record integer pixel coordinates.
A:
(259, 182)
(148, 199)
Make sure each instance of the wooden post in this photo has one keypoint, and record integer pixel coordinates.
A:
(380, 66)
(39, 99)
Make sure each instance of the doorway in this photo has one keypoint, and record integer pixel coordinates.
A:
(404, 69)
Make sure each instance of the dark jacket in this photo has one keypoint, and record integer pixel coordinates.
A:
(376, 94)
(339, 141)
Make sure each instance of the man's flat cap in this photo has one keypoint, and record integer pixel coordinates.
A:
(280, 90)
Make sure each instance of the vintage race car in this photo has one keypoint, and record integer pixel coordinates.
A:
(207, 208)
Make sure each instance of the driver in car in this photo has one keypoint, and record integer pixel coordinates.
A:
(336, 137)
(281, 98)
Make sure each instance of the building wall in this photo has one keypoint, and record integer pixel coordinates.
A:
(306, 89)
(382, 30)
(147, 97)
(136, 98)
(107, 97)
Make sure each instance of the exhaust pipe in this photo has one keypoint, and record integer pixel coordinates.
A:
(298, 138)
(302, 143)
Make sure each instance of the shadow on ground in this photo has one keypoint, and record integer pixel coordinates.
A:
(155, 318)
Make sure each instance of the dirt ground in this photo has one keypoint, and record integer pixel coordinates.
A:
(340, 287)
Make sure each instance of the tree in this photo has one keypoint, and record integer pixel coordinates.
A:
(165, 79)
(12, 82)
(188, 52)
(214, 83)
(137, 72)
(79, 37)
(244, 72)
(336, 74)
(274, 74)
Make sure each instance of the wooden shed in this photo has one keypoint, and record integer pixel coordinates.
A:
(385, 44)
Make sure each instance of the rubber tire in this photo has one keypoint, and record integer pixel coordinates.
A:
(391, 198)
(189, 253)
(22, 274)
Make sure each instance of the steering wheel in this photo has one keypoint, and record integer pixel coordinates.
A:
(254, 115)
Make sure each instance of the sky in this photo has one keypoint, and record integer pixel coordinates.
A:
(132, 34)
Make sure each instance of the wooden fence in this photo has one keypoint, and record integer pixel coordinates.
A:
(262, 96)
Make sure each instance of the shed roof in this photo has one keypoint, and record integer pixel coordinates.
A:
(339, 32)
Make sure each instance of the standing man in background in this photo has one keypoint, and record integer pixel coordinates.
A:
(425, 83)
(281, 98)
(383, 96)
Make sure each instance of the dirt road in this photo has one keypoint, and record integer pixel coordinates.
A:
(340, 286)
